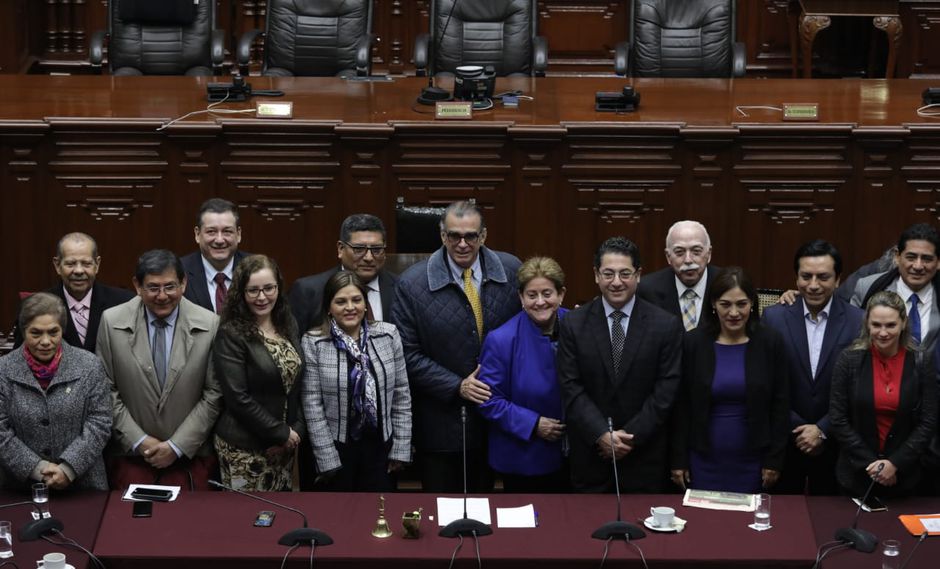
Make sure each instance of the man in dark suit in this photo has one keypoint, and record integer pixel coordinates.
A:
(619, 361)
(680, 288)
(815, 329)
(77, 263)
(915, 279)
(361, 249)
(209, 270)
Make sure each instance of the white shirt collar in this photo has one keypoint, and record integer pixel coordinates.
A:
(824, 312)
(211, 271)
(699, 288)
(627, 308)
(457, 271)
(925, 295)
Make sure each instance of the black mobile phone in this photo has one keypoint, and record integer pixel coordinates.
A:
(264, 519)
(142, 509)
(155, 494)
(875, 505)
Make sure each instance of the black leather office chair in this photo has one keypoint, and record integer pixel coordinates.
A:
(500, 33)
(681, 38)
(417, 235)
(169, 37)
(313, 38)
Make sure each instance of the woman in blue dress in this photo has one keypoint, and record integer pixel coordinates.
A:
(524, 411)
(731, 419)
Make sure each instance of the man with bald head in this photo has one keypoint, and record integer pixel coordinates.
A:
(680, 288)
(77, 263)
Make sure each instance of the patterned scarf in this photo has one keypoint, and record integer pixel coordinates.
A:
(43, 372)
(360, 377)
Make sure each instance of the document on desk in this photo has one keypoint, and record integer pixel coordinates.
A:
(715, 500)
(521, 517)
(450, 509)
(931, 524)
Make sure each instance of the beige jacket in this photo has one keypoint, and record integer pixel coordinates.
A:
(185, 411)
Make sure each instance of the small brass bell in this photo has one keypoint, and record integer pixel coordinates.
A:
(381, 525)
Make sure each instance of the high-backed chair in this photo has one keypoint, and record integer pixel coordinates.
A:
(169, 37)
(417, 235)
(318, 38)
(681, 38)
(498, 33)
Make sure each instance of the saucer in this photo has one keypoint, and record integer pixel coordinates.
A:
(678, 524)
(67, 566)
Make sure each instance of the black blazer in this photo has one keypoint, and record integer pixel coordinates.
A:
(103, 297)
(197, 290)
(852, 413)
(306, 297)
(638, 400)
(766, 397)
(253, 394)
(659, 288)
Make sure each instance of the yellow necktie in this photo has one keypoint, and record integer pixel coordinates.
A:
(474, 298)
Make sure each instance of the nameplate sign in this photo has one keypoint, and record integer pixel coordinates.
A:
(453, 110)
(800, 112)
(275, 110)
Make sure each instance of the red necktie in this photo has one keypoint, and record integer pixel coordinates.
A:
(220, 292)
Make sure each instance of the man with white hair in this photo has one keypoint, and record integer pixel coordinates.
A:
(680, 288)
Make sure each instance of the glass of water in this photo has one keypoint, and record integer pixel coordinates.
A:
(762, 512)
(6, 540)
(41, 499)
(891, 554)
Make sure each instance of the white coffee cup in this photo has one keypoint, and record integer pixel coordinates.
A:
(52, 561)
(663, 516)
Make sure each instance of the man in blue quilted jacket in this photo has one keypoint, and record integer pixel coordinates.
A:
(443, 308)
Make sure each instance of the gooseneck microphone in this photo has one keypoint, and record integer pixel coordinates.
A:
(431, 94)
(300, 536)
(920, 540)
(617, 529)
(465, 526)
(859, 539)
(31, 531)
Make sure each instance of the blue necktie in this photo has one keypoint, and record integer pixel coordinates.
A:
(915, 318)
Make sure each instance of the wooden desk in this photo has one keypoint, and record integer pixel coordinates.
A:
(817, 15)
(553, 176)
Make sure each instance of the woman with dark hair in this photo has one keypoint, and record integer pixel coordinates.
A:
(55, 407)
(258, 361)
(731, 420)
(525, 412)
(355, 393)
(883, 403)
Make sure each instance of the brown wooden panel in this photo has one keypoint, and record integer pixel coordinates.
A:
(582, 35)
(768, 28)
(14, 53)
(920, 48)
(553, 176)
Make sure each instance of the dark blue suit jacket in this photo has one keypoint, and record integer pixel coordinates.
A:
(809, 396)
(197, 291)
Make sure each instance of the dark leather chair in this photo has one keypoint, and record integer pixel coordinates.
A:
(170, 37)
(313, 38)
(500, 33)
(681, 38)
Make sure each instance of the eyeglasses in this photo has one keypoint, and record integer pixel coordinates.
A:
(255, 291)
(361, 250)
(154, 289)
(624, 275)
(454, 237)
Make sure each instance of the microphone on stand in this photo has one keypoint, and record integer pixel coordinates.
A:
(299, 536)
(431, 94)
(920, 540)
(31, 531)
(859, 539)
(617, 529)
(465, 526)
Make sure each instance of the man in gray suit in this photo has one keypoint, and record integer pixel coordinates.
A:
(680, 288)
(915, 279)
(156, 350)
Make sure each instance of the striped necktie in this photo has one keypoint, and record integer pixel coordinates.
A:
(471, 291)
(80, 319)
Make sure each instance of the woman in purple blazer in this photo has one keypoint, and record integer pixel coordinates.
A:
(524, 411)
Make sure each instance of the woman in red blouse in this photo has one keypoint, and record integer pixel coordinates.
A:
(883, 403)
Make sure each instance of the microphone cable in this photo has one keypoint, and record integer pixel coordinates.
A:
(69, 542)
(286, 555)
(13, 563)
(635, 546)
(476, 542)
(827, 548)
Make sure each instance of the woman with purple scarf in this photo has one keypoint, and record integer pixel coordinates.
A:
(55, 406)
(355, 393)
